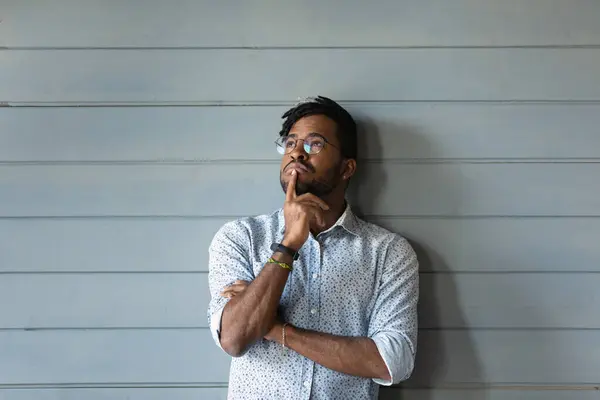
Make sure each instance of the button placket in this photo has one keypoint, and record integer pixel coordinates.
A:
(313, 309)
(314, 285)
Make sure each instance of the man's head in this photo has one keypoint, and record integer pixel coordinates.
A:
(318, 139)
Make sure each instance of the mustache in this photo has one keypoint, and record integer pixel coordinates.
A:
(305, 165)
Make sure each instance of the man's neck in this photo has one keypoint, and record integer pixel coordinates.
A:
(337, 206)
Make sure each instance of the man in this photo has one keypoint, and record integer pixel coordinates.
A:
(311, 301)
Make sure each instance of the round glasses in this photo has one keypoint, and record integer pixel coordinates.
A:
(312, 144)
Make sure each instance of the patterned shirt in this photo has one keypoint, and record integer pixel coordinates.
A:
(354, 279)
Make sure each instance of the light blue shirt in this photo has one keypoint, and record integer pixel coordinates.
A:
(354, 279)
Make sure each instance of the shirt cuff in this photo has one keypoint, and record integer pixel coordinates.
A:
(397, 355)
(215, 325)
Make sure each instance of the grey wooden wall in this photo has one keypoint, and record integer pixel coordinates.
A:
(130, 131)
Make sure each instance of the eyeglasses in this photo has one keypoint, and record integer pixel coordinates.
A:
(312, 145)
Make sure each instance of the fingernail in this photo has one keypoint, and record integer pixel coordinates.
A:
(293, 172)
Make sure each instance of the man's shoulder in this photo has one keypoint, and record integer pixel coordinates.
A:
(381, 235)
(249, 225)
(373, 230)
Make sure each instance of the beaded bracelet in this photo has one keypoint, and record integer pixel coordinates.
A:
(281, 264)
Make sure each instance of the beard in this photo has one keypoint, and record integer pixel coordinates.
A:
(320, 187)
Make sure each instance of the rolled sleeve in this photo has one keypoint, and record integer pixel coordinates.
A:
(228, 262)
(397, 354)
(393, 325)
(215, 326)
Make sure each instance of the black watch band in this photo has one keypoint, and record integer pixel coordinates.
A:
(284, 249)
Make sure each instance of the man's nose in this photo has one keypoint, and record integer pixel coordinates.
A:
(299, 153)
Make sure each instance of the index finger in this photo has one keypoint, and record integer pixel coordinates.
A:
(290, 193)
(309, 197)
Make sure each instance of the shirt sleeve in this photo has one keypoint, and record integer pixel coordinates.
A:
(393, 325)
(228, 261)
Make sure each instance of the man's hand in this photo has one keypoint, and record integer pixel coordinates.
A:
(275, 333)
(235, 288)
(299, 212)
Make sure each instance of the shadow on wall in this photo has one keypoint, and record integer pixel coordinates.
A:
(433, 367)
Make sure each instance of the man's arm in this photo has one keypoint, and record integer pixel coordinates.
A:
(351, 355)
(387, 354)
(248, 316)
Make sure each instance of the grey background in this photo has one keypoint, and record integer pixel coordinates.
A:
(129, 132)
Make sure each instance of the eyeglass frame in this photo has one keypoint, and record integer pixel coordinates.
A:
(312, 134)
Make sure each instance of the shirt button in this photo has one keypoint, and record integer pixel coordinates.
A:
(315, 275)
(313, 311)
(306, 384)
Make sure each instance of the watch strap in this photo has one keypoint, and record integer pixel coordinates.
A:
(278, 247)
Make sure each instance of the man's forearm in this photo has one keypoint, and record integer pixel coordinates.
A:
(249, 315)
(356, 356)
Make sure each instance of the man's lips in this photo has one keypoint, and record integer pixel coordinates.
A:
(297, 167)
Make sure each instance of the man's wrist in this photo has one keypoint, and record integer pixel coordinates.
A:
(277, 333)
(292, 243)
(286, 249)
(283, 257)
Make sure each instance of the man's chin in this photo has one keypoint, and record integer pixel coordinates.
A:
(301, 187)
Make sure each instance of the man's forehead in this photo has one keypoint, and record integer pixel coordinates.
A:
(318, 123)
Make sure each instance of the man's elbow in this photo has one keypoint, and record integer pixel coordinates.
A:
(234, 346)
(384, 375)
(236, 343)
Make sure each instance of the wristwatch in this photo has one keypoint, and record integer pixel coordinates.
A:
(284, 249)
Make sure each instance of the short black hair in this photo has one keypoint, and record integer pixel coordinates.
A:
(346, 126)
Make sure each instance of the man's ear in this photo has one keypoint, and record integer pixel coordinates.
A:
(349, 168)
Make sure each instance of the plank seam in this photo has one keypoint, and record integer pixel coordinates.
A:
(456, 386)
(198, 328)
(115, 385)
(280, 103)
(236, 216)
(195, 272)
(308, 47)
(207, 162)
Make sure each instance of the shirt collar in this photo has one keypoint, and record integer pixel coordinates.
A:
(347, 221)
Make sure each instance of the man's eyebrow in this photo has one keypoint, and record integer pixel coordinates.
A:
(311, 134)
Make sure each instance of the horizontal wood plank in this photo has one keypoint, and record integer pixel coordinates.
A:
(181, 300)
(180, 356)
(127, 356)
(268, 23)
(505, 356)
(106, 244)
(506, 244)
(214, 75)
(388, 131)
(504, 301)
(103, 300)
(203, 393)
(489, 394)
(127, 393)
(181, 244)
(246, 189)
